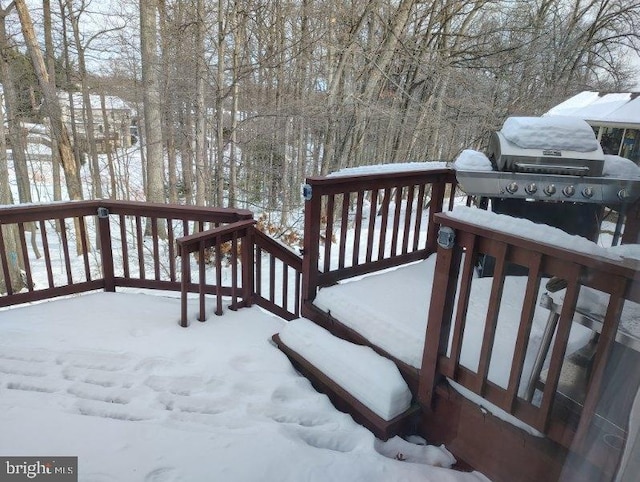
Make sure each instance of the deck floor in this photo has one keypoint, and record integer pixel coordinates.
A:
(112, 378)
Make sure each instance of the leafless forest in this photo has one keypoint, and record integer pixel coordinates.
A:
(237, 101)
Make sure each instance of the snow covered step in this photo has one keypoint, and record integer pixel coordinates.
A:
(357, 379)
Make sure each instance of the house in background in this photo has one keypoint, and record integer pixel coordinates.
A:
(615, 118)
(113, 126)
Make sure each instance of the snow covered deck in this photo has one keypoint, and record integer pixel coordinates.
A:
(113, 379)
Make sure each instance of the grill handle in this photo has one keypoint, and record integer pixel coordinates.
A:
(552, 168)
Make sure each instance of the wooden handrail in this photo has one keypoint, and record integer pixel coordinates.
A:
(335, 200)
(448, 310)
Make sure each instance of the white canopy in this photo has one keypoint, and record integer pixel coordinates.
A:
(600, 108)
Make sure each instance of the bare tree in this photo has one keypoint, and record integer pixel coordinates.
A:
(152, 102)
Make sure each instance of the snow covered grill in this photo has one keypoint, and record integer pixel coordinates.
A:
(549, 159)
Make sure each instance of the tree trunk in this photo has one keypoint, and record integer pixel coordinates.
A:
(203, 179)
(152, 106)
(86, 106)
(108, 147)
(50, 55)
(9, 231)
(51, 104)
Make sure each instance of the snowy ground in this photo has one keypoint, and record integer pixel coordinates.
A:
(112, 379)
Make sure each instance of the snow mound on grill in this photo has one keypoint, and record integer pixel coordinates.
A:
(470, 160)
(621, 167)
(561, 133)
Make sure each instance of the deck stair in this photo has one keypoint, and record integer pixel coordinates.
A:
(357, 380)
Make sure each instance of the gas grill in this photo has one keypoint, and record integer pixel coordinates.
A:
(550, 171)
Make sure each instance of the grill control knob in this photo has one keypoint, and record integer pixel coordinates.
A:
(568, 191)
(512, 187)
(531, 188)
(587, 192)
(550, 190)
(623, 194)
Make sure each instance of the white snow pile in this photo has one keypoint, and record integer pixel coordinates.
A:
(213, 401)
(620, 167)
(390, 310)
(370, 378)
(525, 228)
(390, 168)
(470, 160)
(416, 450)
(562, 133)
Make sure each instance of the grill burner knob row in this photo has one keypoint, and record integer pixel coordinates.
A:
(512, 188)
(531, 188)
(587, 192)
(569, 191)
(550, 190)
(623, 194)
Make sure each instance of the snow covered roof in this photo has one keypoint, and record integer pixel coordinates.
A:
(601, 108)
(111, 102)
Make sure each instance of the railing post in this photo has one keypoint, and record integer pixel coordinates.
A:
(435, 206)
(312, 207)
(248, 266)
(184, 280)
(445, 283)
(106, 252)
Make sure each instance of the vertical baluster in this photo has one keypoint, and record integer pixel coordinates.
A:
(285, 285)
(396, 221)
(383, 225)
(4, 259)
(47, 252)
(85, 247)
(272, 278)
(218, 276)
(469, 242)
(524, 329)
(125, 246)
(156, 247)
(258, 270)
(606, 341)
(491, 321)
(140, 244)
(572, 275)
(25, 256)
(355, 261)
(65, 250)
(297, 300)
(201, 281)
(234, 271)
(344, 228)
(172, 252)
(408, 215)
(435, 206)
(328, 233)
(452, 195)
(184, 286)
(418, 224)
(373, 208)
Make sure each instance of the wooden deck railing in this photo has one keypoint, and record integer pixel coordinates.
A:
(392, 219)
(448, 314)
(107, 236)
(233, 258)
